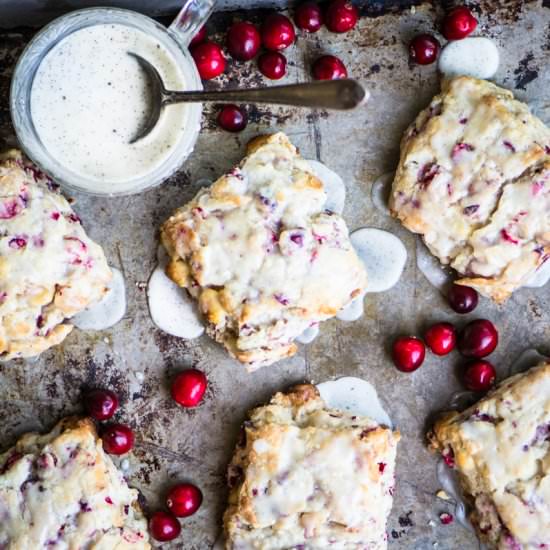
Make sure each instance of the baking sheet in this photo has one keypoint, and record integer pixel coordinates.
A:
(137, 360)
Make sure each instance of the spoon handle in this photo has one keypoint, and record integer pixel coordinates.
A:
(329, 94)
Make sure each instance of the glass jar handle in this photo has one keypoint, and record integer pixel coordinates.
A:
(192, 16)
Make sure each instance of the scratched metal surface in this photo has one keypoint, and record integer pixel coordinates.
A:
(175, 444)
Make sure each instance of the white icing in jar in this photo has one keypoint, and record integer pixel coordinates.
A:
(78, 98)
(89, 99)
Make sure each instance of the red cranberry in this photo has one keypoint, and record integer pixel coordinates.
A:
(479, 376)
(308, 17)
(188, 387)
(199, 37)
(118, 439)
(458, 23)
(209, 59)
(101, 404)
(272, 65)
(232, 118)
(424, 49)
(341, 16)
(408, 353)
(164, 526)
(243, 41)
(277, 32)
(462, 299)
(478, 339)
(184, 500)
(441, 338)
(329, 67)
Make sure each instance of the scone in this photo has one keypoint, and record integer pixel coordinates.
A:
(308, 477)
(500, 448)
(49, 269)
(261, 256)
(474, 180)
(60, 490)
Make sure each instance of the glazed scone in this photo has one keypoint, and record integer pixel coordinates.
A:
(474, 180)
(500, 448)
(310, 477)
(261, 256)
(60, 490)
(49, 268)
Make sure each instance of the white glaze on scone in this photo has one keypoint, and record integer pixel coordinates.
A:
(49, 268)
(310, 477)
(260, 255)
(60, 490)
(474, 181)
(500, 448)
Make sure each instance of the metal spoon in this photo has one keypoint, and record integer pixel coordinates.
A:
(330, 94)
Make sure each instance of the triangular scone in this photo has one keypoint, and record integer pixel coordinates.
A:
(49, 268)
(500, 448)
(60, 490)
(306, 476)
(474, 180)
(261, 255)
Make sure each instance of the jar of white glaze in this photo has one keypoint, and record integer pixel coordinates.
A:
(77, 98)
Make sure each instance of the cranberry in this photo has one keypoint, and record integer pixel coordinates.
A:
(232, 118)
(101, 404)
(209, 59)
(277, 32)
(308, 17)
(164, 526)
(479, 376)
(446, 518)
(199, 37)
(424, 49)
(341, 16)
(441, 338)
(458, 23)
(272, 65)
(462, 299)
(117, 439)
(188, 387)
(184, 500)
(408, 353)
(243, 41)
(329, 67)
(478, 339)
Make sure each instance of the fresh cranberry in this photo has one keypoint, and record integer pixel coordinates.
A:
(329, 67)
(117, 439)
(446, 518)
(441, 338)
(277, 32)
(272, 65)
(101, 404)
(341, 16)
(184, 500)
(199, 37)
(478, 339)
(164, 526)
(188, 387)
(408, 353)
(209, 59)
(243, 41)
(479, 376)
(232, 118)
(308, 17)
(462, 299)
(424, 49)
(458, 23)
